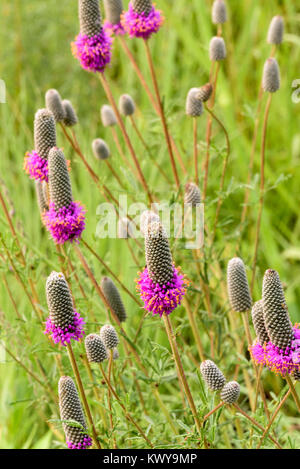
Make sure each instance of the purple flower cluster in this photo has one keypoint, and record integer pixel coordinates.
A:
(35, 166)
(141, 25)
(63, 336)
(161, 299)
(280, 361)
(65, 224)
(112, 29)
(87, 441)
(93, 53)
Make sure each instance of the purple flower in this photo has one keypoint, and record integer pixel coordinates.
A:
(112, 29)
(258, 354)
(93, 53)
(36, 166)
(161, 299)
(66, 223)
(87, 441)
(140, 24)
(64, 335)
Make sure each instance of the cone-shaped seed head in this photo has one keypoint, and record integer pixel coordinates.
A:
(95, 349)
(126, 105)
(55, 105)
(70, 118)
(212, 376)
(258, 320)
(238, 287)
(89, 17)
(70, 409)
(147, 217)
(109, 336)
(276, 315)
(125, 228)
(40, 193)
(60, 304)
(271, 76)
(100, 149)
(113, 298)
(192, 194)
(219, 12)
(217, 49)
(59, 179)
(230, 393)
(193, 105)
(276, 29)
(44, 132)
(205, 92)
(158, 254)
(113, 10)
(108, 116)
(142, 6)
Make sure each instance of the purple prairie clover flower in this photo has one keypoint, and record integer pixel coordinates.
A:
(36, 166)
(66, 223)
(113, 11)
(93, 53)
(142, 24)
(114, 29)
(161, 299)
(84, 444)
(64, 335)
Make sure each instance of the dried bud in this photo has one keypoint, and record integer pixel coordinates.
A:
(217, 49)
(230, 393)
(108, 116)
(113, 298)
(158, 254)
(193, 106)
(271, 76)
(211, 374)
(258, 320)
(275, 309)
(59, 179)
(126, 105)
(125, 228)
(113, 10)
(100, 149)
(276, 29)
(109, 336)
(237, 284)
(95, 349)
(44, 132)
(70, 409)
(90, 17)
(55, 105)
(205, 92)
(142, 6)
(192, 194)
(219, 12)
(70, 118)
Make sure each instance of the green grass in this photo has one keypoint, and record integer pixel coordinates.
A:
(35, 55)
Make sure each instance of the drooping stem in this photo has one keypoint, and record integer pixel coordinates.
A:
(221, 404)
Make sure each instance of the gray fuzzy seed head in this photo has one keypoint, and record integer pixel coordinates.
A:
(217, 49)
(158, 254)
(192, 194)
(89, 17)
(108, 116)
(193, 105)
(271, 76)
(109, 336)
(230, 392)
(125, 228)
(59, 180)
(70, 409)
(126, 105)
(40, 194)
(237, 285)
(276, 30)
(59, 300)
(276, 316)
(100, 149)
(95, 349)
(55, 105)
(142, 6)
(44, 132)
(70, 118)
(147, 217)
(113, 10)
(219, 12)
(205, 92)
(258, 320)
(113, 298)
(212, 375)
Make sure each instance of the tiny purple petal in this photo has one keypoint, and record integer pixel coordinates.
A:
(65, 224)
(141, 25)
(93, 53)
(36, 166)
(87, 441)
(112, 29)
(63, 336)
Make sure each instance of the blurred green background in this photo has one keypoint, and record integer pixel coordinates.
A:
(35, 55)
